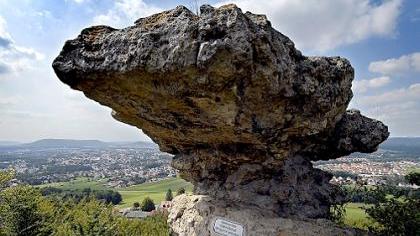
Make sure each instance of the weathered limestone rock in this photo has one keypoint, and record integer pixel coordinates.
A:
(241, 109)
(199, 214)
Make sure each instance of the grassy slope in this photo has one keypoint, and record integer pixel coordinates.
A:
(77, 184)
(356, 216)
(135, 193)
(155, 191)
(414, 169)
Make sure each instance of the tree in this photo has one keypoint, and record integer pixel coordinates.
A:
(396, 216)
(23, 211)
(87, 217)
(413, 178)
(151, 225)
(5, 177)
(147, 204)
(180, 191)
(169, 196)
(116, 198)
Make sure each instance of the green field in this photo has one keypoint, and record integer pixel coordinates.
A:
(356, 216)
(78, 184)
(155, 190)
(415, 170)
(135, 193)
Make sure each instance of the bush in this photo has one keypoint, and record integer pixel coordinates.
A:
(153, 226)
(136, 205)
(413, 178)
(169, 195)
(147, 204)
(87, 217)
(396, 217)
(180, 191)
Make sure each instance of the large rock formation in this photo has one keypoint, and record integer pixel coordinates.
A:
(241, 109)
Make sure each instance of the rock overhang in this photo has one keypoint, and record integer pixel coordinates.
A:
(228, 95)
(222, 77)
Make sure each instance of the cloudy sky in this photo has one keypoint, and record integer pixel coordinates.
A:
(380, 38)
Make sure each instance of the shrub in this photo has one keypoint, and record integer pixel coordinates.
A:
(147, 204)
(136, 205)
(169, 195)
(396, 217)
(180, 191)
(153, 226)
(413, 178)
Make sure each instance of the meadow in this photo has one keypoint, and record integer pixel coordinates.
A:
(356, 216)
(155, 190)
(136, 193)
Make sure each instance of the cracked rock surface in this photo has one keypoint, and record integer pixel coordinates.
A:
(241, 109)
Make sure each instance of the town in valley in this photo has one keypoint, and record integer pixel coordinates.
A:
(119, 165)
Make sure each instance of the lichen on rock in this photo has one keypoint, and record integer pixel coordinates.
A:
(241, 109)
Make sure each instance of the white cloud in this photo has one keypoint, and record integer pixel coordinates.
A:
(327, 24)
(14, 57)
(125, 12)
(362, 86)
(415, 87)
(77, 1)
(399, 109)
(412, 93)
(397, 66)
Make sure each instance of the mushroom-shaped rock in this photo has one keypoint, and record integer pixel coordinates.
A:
(242, 110)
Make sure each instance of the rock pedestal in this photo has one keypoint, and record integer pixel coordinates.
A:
(242, 110)
(202, 215)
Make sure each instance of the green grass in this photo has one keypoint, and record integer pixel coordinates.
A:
(414, 170)
(78, 184)
(356, 216)
(136, 193)
(163, 185)
(156, 191)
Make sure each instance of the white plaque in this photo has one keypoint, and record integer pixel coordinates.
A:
(228, 228)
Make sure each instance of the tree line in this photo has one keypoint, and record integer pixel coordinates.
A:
(106, 196)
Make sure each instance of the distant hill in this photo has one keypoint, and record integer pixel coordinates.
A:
(74, 143)
(8, 143)
(65, 143)
(404, 144)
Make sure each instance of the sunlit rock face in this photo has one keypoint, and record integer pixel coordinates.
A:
(242, 110)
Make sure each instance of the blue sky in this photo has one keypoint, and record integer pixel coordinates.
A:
(380, 38)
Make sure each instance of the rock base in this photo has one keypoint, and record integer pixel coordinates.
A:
(201, 215)
(288, 187)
